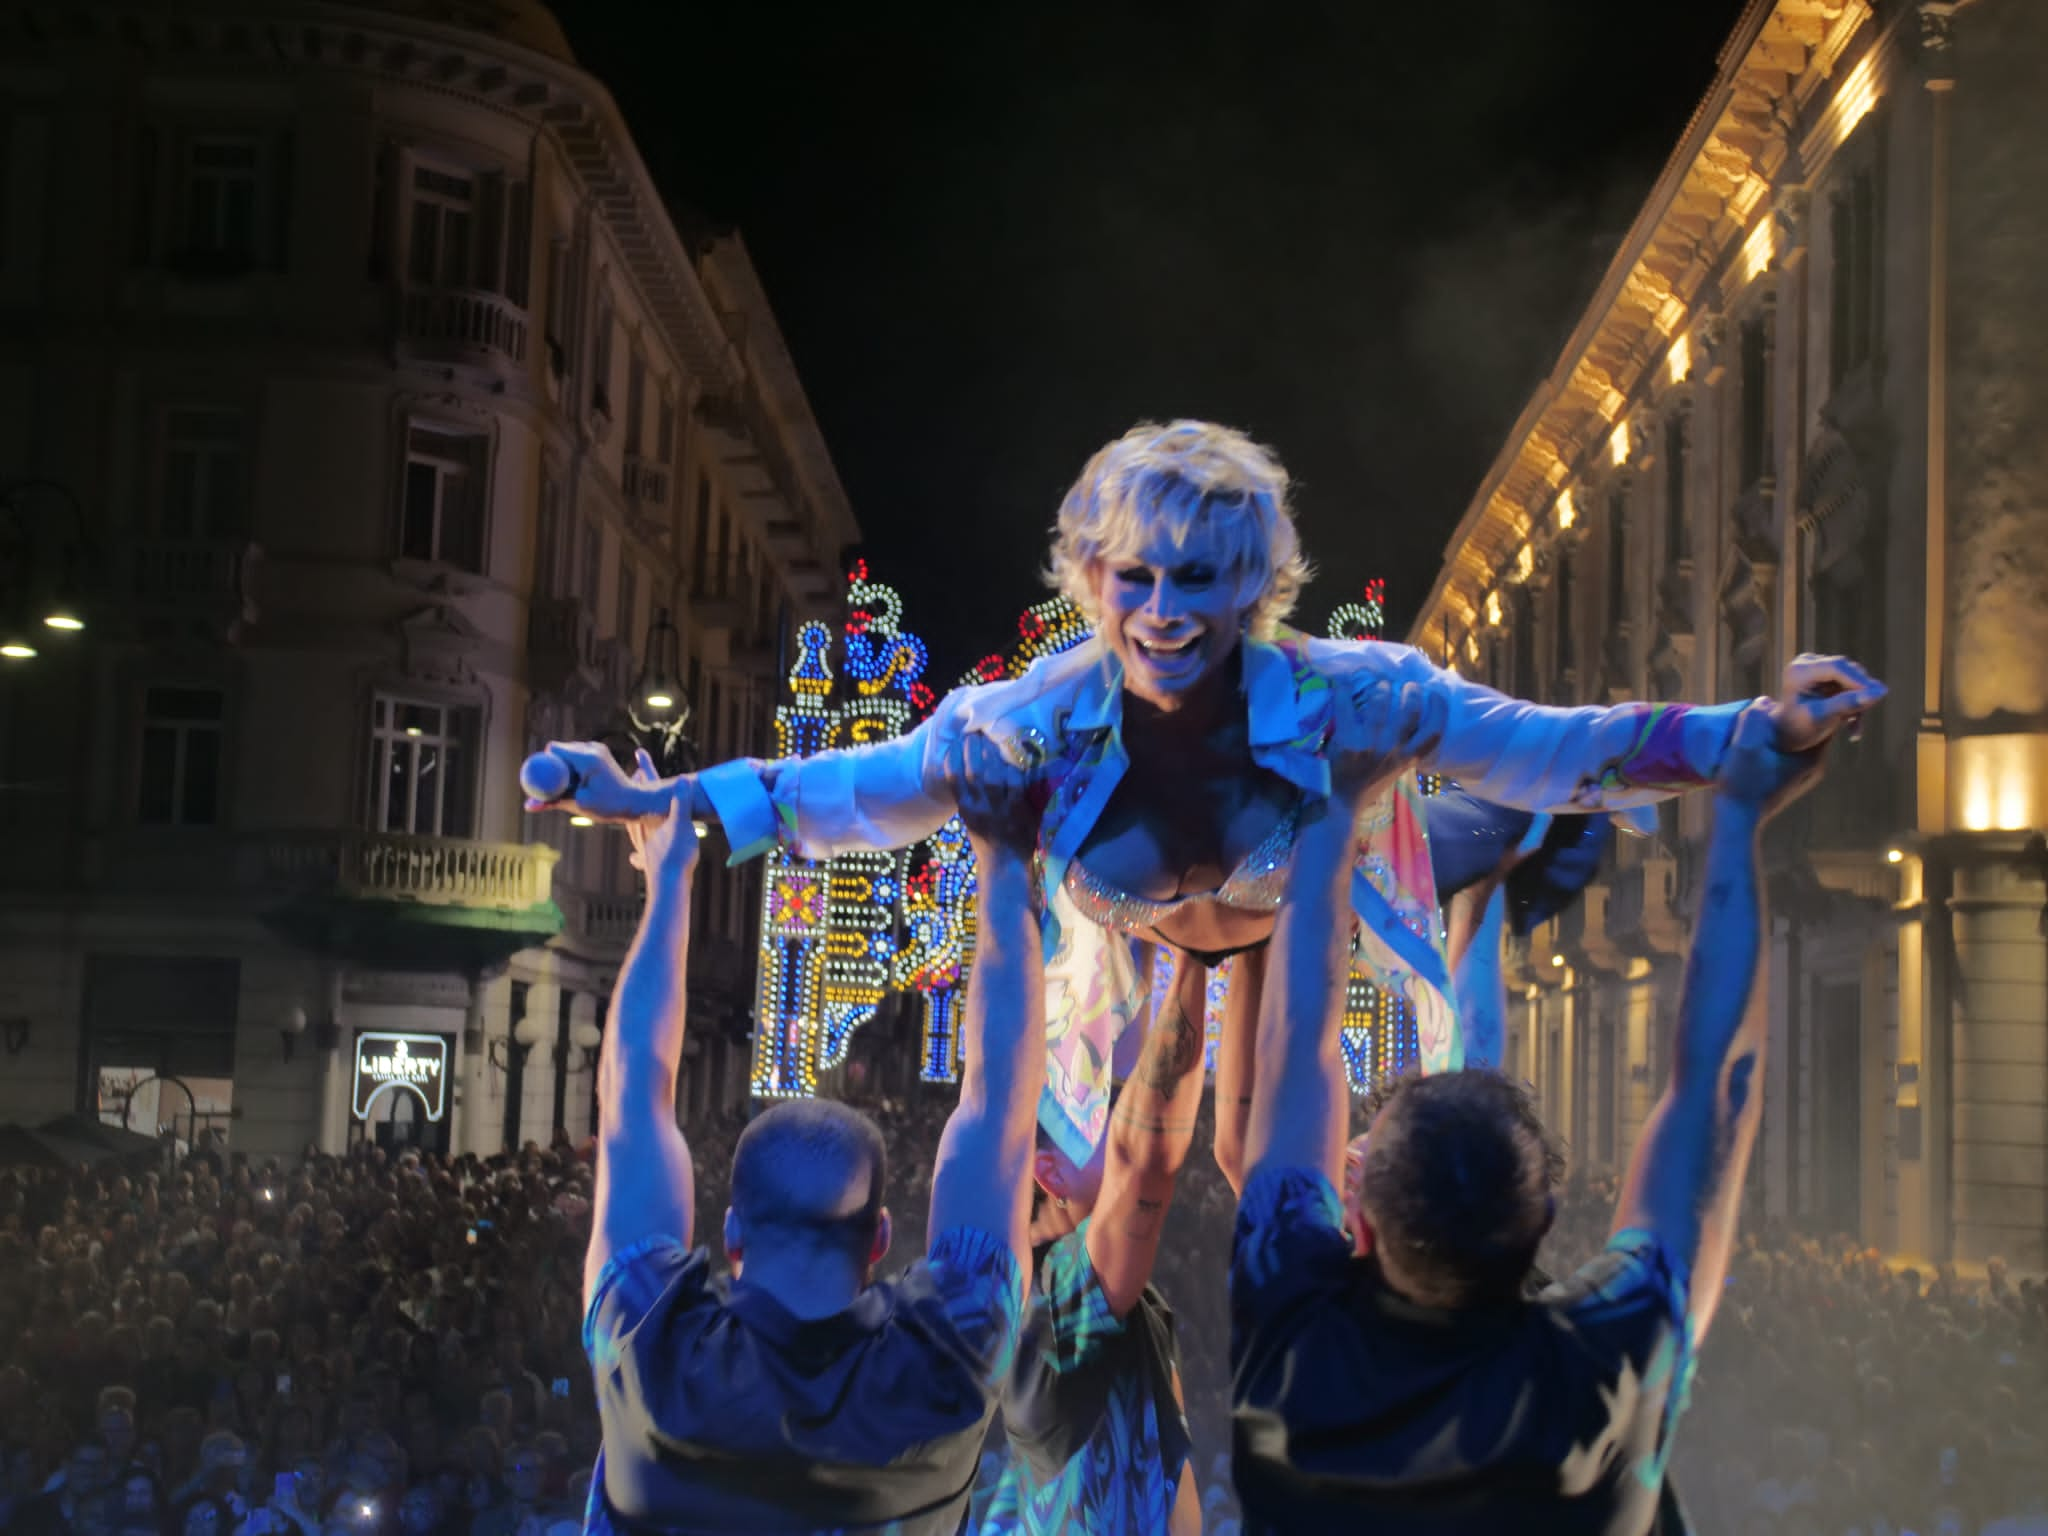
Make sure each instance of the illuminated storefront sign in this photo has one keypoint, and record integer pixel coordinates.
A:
(416, 1063)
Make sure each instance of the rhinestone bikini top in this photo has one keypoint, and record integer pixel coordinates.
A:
(1254, 886)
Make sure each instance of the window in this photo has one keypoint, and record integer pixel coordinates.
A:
(179, 782)
(1524, 636)
(556, 322)
(205, 478)
(443, 228)
(628, 600)
(547, 539)
(221, 180)
(444, 497)
(518, 242)
(1617, 558)
(700, 538)
(588, 574)
(665, 431)
(1567, 649)
(636, 398)
(1676, 544)
(1854, 275)
(422, 764)
(601, 357)
(1756, 400)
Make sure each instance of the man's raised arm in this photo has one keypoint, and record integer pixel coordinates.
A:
(1300, 1098)
(980, 1180)
(645, 1183)
(1685, 1181)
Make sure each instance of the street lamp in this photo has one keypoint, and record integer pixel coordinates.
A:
(659, 708)
(44, 545)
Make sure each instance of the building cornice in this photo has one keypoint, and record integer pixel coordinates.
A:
(1748, 135)
(490, 73)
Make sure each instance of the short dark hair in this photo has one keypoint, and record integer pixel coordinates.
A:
(794, 1166)
(1457, 1184)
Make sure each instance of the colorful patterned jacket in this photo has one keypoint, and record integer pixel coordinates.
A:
(1069, 707)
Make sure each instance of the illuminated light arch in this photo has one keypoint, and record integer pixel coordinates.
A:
(938, 909)
(828, 927)
(1379, 1028)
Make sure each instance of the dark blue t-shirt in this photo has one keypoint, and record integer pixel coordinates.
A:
(1354, 1409)
(723, 1412)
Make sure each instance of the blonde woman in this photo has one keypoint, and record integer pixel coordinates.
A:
(1186, 744)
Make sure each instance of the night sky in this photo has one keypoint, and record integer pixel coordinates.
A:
(997, 239)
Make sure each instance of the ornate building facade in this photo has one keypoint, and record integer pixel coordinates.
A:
(1805, 412)
(361, 390)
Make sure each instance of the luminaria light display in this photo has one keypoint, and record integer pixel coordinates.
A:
(828, 927)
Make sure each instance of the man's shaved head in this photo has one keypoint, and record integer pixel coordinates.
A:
(811, 1171)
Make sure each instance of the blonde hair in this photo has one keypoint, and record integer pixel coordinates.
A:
(1191, 475)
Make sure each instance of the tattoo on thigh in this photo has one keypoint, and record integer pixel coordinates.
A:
(1145, 1220)
(1171, 1050)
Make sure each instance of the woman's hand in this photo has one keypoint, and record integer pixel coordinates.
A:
(592, 782)
(1819, 696)
(1376, 731)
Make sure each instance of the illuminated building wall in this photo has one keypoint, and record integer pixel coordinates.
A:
(1802, 413)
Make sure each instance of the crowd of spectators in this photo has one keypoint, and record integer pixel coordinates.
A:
(348, 1347)
(381, 1344)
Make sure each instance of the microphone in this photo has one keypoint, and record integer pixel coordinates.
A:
(548, 779)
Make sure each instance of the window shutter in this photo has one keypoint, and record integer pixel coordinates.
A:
(519, 242)
(490, 230)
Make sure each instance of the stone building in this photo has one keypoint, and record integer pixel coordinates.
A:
(1807, 410)
(361, 391)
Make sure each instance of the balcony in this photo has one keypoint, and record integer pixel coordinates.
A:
(562, 644)
(210, 581)
(645, 483)
(463, 325)
(752, 656)
(391, 898)
(424, 871)
(789, 538)
(1596, 938)
(1642, 919)
(716, 601)
(748, 442)
(601, 926)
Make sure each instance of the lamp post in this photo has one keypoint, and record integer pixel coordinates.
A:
(42, 573)
(659, 708)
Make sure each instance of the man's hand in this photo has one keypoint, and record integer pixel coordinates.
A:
(1819, 696)
(1758, 772)
(1377, 731)
(662, 845)
(999, 801)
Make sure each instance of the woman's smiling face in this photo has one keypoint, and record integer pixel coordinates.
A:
(1170, 612)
